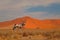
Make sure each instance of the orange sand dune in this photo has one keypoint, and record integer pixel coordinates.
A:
(32, 23)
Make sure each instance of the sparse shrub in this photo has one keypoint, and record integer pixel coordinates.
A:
(56, 35)
(45, 34)
(24, 34)
(31, 34)
(30, 37)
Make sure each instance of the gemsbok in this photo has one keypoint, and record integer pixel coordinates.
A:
(19, 26)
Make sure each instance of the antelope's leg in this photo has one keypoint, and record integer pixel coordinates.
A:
(14, 28)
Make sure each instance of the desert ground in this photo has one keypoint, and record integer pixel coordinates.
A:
(28, 34)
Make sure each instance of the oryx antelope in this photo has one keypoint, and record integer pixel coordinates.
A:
(19, 26)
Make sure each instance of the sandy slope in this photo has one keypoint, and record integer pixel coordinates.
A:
(32, 23)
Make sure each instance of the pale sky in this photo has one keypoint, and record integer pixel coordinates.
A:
(40, 9)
